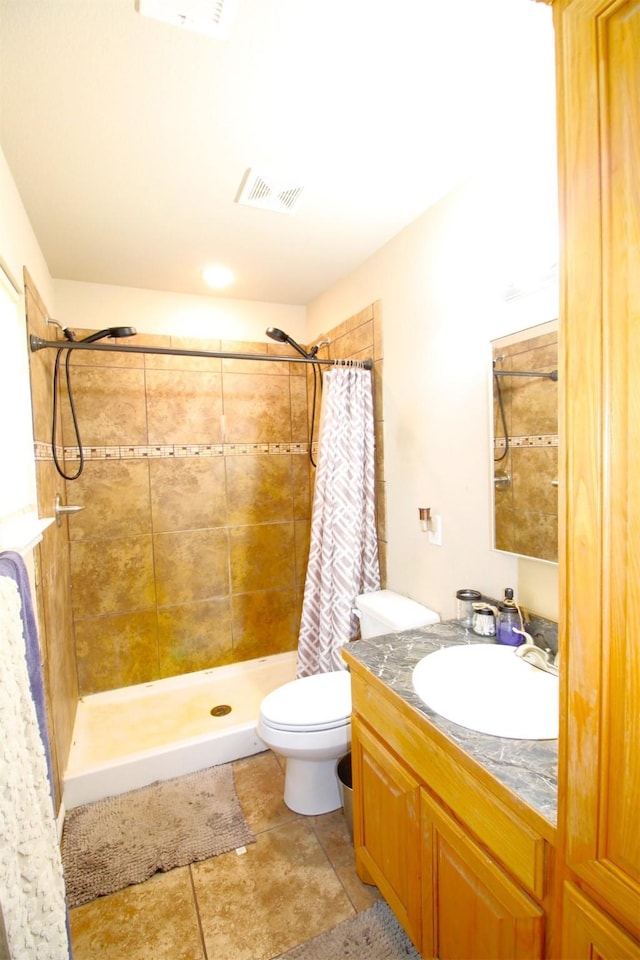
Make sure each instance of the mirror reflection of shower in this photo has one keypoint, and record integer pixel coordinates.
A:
(525, 442)
(116, 333)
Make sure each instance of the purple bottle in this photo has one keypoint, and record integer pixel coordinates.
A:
(508, 618)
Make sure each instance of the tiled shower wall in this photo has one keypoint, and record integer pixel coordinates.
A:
(190, 551)
(526, 504)
(191, 547)
(52, 573)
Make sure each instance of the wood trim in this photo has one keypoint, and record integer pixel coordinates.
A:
(579, 427)
(598, 76)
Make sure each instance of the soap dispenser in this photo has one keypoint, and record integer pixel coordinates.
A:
(509, 621)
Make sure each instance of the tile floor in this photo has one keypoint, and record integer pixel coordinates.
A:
(297, 880)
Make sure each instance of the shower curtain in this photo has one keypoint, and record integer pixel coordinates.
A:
(343, 554)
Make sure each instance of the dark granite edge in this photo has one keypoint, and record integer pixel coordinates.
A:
(528, 768)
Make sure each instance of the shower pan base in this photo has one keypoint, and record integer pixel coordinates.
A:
(127, 738)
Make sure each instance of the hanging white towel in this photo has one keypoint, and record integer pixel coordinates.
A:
(31, 879)
(343, 553)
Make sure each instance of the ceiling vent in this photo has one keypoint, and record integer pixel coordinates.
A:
(267, 193)
(211, 17)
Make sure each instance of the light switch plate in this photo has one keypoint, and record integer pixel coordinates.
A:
(435, 534)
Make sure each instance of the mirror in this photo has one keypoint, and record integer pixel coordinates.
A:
(525, 442)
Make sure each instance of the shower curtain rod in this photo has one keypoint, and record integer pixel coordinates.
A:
(37, 343)
(553, 375)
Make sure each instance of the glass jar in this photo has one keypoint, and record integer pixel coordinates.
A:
(465, 600)
(484, 620)
(508, 623)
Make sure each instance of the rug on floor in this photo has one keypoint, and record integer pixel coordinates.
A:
(112, 843)
(374, 934)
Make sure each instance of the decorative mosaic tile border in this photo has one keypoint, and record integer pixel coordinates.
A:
(43, 451)
(548, 440)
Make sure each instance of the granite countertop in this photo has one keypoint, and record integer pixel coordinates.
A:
(526, 767)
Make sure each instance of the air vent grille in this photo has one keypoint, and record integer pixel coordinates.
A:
(265, 192)
(211, 17)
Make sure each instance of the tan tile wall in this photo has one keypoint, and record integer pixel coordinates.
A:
(360, 338)
(526, 510)
(190, 551)
(52, 572)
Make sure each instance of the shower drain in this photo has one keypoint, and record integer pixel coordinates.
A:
(221, 710)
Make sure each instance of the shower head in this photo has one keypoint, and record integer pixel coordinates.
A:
(101, 334)
(278, 335)
(283, 337)
(109, 332)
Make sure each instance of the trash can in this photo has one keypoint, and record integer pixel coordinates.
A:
(345, 786)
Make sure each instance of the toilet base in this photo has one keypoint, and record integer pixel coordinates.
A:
(311, 786)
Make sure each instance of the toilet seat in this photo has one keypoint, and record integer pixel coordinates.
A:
(320, 702)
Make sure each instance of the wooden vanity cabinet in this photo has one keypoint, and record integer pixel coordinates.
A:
(388, 828)
(466, 876)
(598, 78)
(473, 908)
(588, 932)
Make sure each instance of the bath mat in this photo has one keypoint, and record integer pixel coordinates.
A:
(112, 843)
(374, 934)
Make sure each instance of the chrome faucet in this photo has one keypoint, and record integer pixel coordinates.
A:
(534, 655)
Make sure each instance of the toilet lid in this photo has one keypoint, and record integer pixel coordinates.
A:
(311, 703)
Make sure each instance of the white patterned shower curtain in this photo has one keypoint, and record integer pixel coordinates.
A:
(343, 554)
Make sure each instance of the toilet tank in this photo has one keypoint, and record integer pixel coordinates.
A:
(387, 612)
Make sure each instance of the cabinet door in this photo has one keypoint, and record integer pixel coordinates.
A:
(472, 910)
(588, 934)
(598, 45)
(387, 827)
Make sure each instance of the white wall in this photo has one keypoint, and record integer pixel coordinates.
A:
(18, 491)
(95, 306)
(18, 244)
(442, 282)
(18, 247)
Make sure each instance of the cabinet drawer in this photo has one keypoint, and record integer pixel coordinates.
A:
(513, 842)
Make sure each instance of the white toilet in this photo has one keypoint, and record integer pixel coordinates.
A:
(308, 721)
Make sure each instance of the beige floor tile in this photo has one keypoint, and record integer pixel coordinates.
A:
(361, 895)
(297, 880)
(279, 893)
(331, 831)
(259, 784)
(154, 919)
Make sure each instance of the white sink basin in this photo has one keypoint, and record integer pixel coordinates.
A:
(487, 688)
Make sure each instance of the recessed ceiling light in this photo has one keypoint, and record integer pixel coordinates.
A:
(217, 276)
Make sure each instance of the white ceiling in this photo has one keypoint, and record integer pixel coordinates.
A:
(128, 138)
